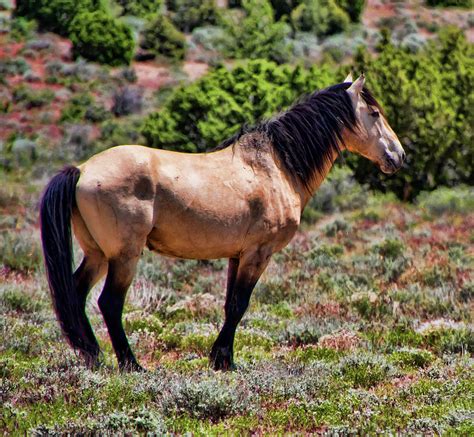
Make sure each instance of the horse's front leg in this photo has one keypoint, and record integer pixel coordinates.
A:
(242, 276)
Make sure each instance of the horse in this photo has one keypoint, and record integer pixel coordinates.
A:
(242, 201)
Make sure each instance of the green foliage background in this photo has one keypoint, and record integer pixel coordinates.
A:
(458, 3)
(425, 88)
(188, 14)
(428, 98)
(140, 8)
(161, 37)
(99, 37)
(323, 17)
(257, 34)
(199, 116)
(55, 15)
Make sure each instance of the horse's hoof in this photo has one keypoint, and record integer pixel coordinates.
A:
(221, 359)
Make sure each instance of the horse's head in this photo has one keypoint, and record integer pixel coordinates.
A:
(374, 138)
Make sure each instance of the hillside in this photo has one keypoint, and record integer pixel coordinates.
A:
(362, 325)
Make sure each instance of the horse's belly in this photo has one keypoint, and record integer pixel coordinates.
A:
(195, 242)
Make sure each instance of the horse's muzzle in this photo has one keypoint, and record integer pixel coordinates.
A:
(392, 162)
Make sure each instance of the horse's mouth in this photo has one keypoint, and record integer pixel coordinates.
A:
(391, 165)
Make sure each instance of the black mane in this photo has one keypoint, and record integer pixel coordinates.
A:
(306, 136)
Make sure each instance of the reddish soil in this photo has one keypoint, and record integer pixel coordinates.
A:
(150, 76)
(195, 70)
(376, 10)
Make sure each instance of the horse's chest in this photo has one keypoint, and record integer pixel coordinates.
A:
(277, 222)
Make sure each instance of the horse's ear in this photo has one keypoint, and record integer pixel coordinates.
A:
(356, 88)
(349, 78)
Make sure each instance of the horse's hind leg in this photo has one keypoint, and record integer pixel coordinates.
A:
(111, 302)
(92, 268)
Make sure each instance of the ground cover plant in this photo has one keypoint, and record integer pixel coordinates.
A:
(364, 328)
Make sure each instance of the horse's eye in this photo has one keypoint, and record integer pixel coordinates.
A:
(375, 114)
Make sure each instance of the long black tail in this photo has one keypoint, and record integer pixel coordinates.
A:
(55, 215)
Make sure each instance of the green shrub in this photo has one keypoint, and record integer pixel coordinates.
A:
(162, 38)
(134, 421)
(427, 96)
(412, 357)
(257, 35)
(308, 330)
(188, 14)
(336, 227)
(55, 15)
(458, 3)
(213, 399)
(353, 8)
(127, 100)
(22, 28)
(31, 98)
(450, 340)
(225, 100)
(364, 370)
(448, 200)
(76, 108)
(274, 290)
(20, 250)
(213, 38)
(140, 8)
(390, 248)
(22, 151)
(114, 133)
(14, 299)
(402, 336)
(99, 37)
(13, 67)
(323, 17)
(96, 113)
(77, 143)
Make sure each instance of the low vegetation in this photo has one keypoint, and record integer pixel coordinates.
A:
(333, 340)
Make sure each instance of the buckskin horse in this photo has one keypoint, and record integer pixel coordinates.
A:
(242, 201)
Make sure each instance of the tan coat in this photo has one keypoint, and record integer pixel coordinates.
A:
(201, 206)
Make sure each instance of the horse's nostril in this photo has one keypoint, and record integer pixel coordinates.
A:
(404, 155)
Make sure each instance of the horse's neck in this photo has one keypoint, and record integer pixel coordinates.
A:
(316, 180)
